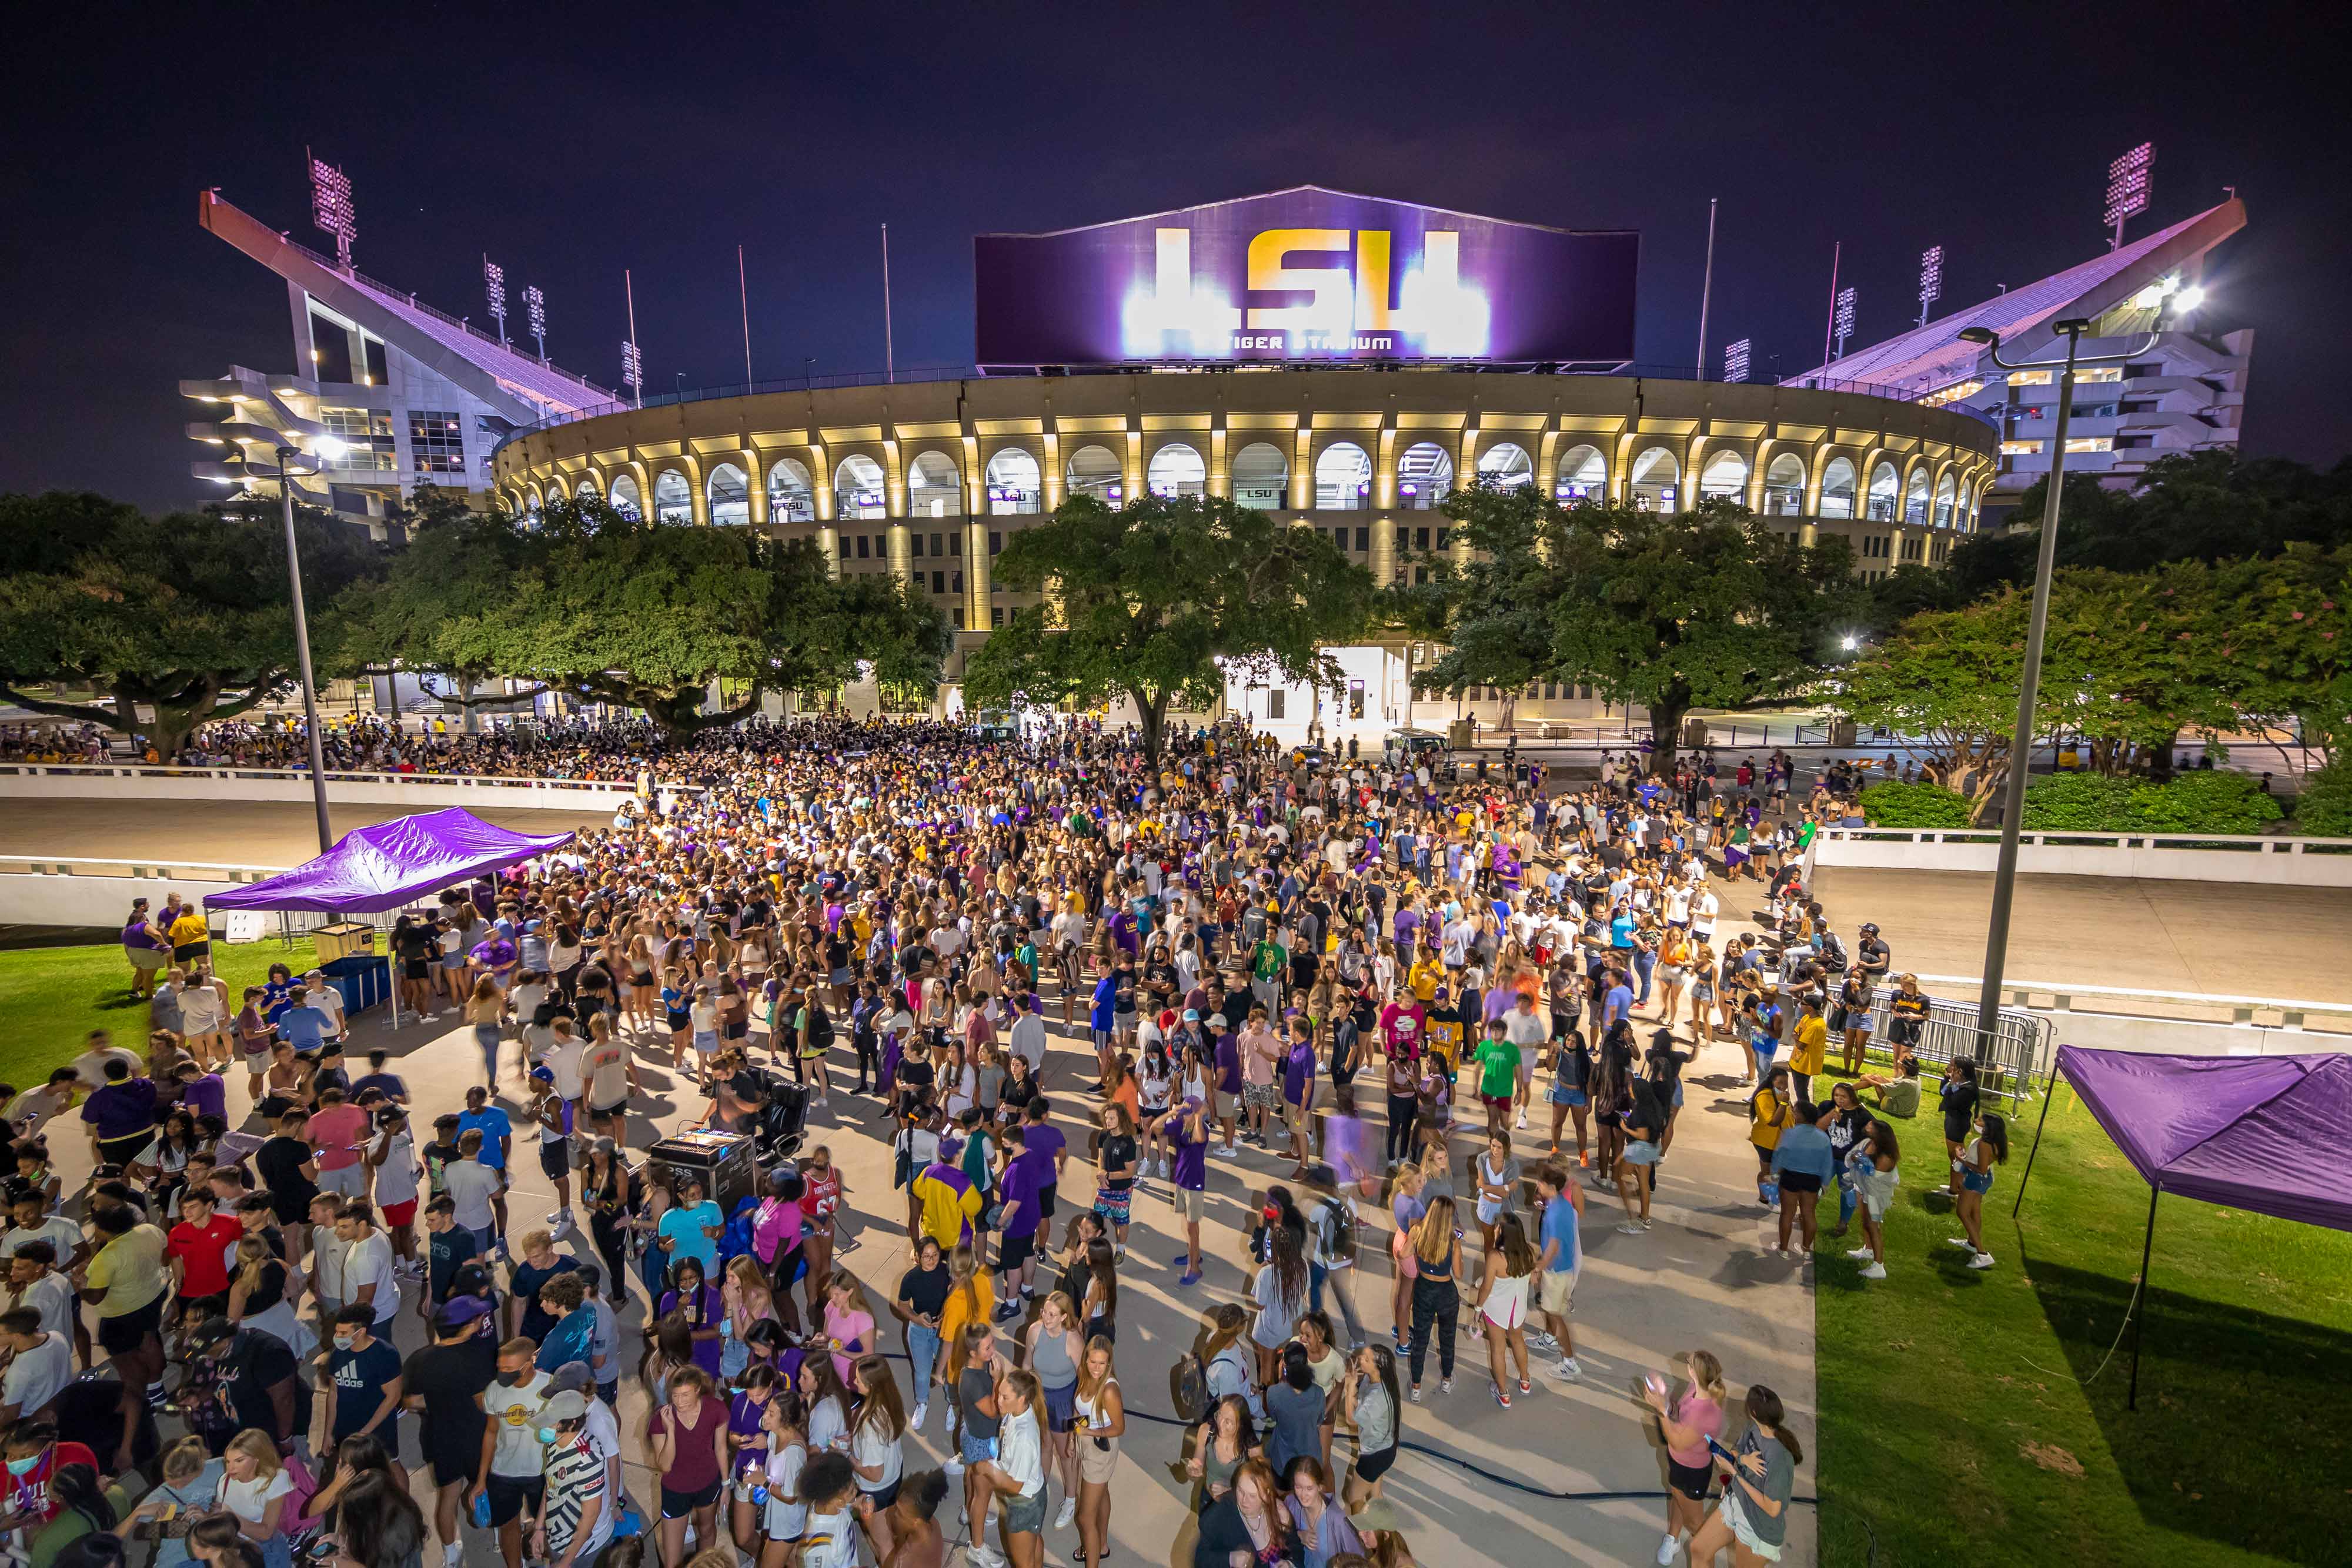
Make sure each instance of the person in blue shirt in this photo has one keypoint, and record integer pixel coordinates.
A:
(496, 1127)
(691, 1228)
(1562, 1256)
(1802, 1161)
(304, 1027)
(1764, 1030)
(571, 1337)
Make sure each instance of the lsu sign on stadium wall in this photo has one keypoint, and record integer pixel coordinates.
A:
(1306, 274)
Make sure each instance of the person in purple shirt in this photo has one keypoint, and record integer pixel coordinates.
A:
(1298, 1093)
(1229, 1082)
(1047, 1146)
(1188, 1134)
(496, 956)
(201, 1091)
(1026, 1180)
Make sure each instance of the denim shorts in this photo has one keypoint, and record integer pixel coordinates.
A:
(976, 1449)
(1561, 1094)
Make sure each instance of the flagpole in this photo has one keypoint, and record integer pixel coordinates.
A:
(743, 292)
(1829, 328)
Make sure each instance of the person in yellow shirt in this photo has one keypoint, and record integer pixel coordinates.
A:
(1811, 1045)
(1770, 1113)
(1425, 976)
(971, 1296)
(192, 939)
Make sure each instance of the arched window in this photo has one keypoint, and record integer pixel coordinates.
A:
(934, 488)
(1583, 475)
(1654, 480)
(1947, 496)
(586, 490)
(1261, 477)
(1094, 471)
(730, 498)
(1784, 485)
(625, 498)
(1915, 498)
(1724, 478)
(1343, 479)
(1177, 470)
(673, 500)
(1506, 464)
(1886, 484)
(858, 489)
(791, 495)
(1013, 482)
(1837, 488)
(1424, 476)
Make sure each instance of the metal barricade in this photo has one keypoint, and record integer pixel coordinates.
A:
(2010, 1059)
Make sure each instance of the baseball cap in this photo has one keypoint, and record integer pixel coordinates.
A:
(213, 1331)
(564, 1404)
(456, 1312)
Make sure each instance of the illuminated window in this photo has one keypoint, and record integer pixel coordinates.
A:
(1094, 471)
(1582, 475)
(366, 435)
(791, 498)
(858, 488)
(1176, 470)
(2021, 448)
(1011, 480)
(1953, 393)
(437, 442)
(673, 501)
(1424, 476)
(934, 489)
(1506, 464)
(729, 497)
(1343, 479)
(2029, 378)
(1261, 477)
(626, 499)
(2090, 443)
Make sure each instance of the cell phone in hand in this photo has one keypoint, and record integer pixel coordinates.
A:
(1720, 1452)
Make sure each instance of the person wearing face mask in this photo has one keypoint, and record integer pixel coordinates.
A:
(575, 1517)
(363, 1378)
(512, 1475)
(34, 1457)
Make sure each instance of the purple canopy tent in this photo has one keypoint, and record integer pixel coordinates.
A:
(384, 866)
(391, 864)
(2272, 1134)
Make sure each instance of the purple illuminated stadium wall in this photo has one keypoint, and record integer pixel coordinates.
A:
(1306, 274)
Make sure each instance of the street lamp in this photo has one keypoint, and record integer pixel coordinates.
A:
(325, 449)
(2169, 299)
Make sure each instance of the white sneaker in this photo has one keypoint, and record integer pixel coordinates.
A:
(1629, 1228)
(452, 1552)
(922, 1413)
(1669, 1549)
(1445, 1385)
(1063, 1520)
(980, 1557)
(1523, 1122)
(1962, 1242)
(1982, 1260)
(1875, 1271)
(1566, 1369)
(1542, 1341)
(1861, 1254)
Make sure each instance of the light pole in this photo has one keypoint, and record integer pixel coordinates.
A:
(2168, 299)
(327, 449)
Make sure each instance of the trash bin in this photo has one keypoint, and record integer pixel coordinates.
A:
(364, 979)
(343, 938)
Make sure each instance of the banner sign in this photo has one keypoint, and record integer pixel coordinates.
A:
(1306, 274)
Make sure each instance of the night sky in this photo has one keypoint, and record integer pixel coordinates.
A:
(572, 141)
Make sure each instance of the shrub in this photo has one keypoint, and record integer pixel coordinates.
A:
(2215, 802)
(2075, 803)
(1920, 805)
(2324, 809)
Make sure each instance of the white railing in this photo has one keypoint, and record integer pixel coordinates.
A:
(2189, 1023)
(129, 781)
(2275, 858)
(334, 776)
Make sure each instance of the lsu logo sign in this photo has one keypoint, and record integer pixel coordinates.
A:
(1306, 274)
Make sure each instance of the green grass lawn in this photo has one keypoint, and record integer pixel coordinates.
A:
(1961, 1419)
(51, 997)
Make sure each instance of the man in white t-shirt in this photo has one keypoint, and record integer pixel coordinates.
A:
(40, 1364)
(1703, 908)
(370, 1277)
(1028, 1038)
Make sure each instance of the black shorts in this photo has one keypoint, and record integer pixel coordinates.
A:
(678, 1504)
(1015, 1252)
(510, 1496)
(126, 1332)
(1372, 1466)
(555, 1158)
(1800, 1181)
(1763, 1157)
(1045, 1201)
(187, 952)
(416, 968)
(454, 1465)
(1691, 1480)
(884, 1498)
(123, 1150)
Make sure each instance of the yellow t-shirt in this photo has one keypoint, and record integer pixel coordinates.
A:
(189, 927)
(1812, 1045)
(958, 1312)
(130, 1269)
(1424, 977)
(1766, 1120)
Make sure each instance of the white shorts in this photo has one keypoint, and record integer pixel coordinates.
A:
(350, 1180)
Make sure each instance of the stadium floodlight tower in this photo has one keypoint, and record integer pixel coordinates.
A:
(494, 283)
(1735, 361)
(1844, 319)
(1931, 279)
(2170, 299)
(534, 315)
(330, 208)
(2129, 181)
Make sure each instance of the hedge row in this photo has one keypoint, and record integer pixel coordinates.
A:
(2215, 802)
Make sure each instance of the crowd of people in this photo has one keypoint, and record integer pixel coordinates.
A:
(870, 924)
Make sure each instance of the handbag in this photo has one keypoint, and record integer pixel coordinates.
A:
(1407, 1261)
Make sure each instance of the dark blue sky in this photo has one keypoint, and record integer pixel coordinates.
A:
(572, 141)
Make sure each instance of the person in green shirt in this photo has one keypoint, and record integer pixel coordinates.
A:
(1269, 962)
(1498, 1077)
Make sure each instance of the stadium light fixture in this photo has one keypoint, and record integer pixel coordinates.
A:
(1931, 279)
(2074, 328)
(1849, 641)
(1844, 319)
(2128, 183)
(494, 283)
(330, 208)
(534, 315)
(1735, 361)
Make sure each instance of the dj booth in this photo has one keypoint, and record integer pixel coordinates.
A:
(729, 1165)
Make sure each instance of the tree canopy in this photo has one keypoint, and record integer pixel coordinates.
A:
(187, 614)
(637, 612)
(1666, 611)
(1145, 601)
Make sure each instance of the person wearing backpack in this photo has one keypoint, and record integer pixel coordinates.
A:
(1331, 1259)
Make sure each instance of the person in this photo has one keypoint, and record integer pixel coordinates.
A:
(687, 1438)
(1293, 1411)
(1770, 1114)
(363, 1381)
(1503, 1291)
(829, 1535)
(1808, 1045)
(125, 1280)
(370, 1273)
(446, 1381)
(920, 1304)
(1326, 1538)
(510, 1474)
(1956, 1098)
(1437, 1301)
(121, 1115)
(689, 1228)
(190, 1488)
(784, 1514)
(256, 1376)
(1016, 1475)
(1802, 1163)
(378, 1525)
(905, 1534)
(1497, 1060)
(1279, 1293)
(1759, 1481)
(1101, 1411)
(40, 1364)
(1687, 1417)
(1973, 1169)
(1188, 1139)
(255, 1487)
(1247, 1523)
(876, 1434)
(1559, 1261)
(1874, 1167)
(1369, 1395)
(575, 1518)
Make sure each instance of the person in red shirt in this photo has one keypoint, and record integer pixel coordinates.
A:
(33, 1455)
(340, 1132)
(198, 1249)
